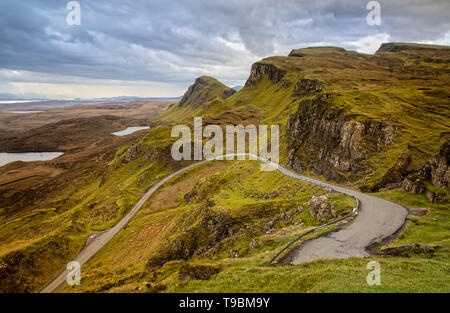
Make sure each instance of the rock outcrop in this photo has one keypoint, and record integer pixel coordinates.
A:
(329, 142)
(440, 167)
(413, 187)
(306, 87)
(435, 172)
(204, 89)
(259, 69)
(320, 208)
(132, 153)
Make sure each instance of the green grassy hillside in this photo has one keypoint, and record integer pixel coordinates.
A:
(204, 217)
(205, 89)
(363, 120)
(395, 102)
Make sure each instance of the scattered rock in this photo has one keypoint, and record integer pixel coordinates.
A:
(131, 154)
(420, 212)
(156, 288)
(271, 195)
(268, 227)
(440, 167)
(320, 209)
(141, 179)
(191, 196)
(435, 197)
(200, 272)
(220, 225)
(253, 243)
(405, 250)
(413, 187)
(286, 216)
(234, 253)
(436, 171)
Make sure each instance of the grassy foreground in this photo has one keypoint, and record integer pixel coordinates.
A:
(414, 274)
(125, 264)
(418, 272)
(199, 218)
(204, 217)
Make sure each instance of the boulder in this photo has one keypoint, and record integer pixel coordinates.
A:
(320, 209)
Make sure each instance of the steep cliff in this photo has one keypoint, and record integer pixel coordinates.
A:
(203, 90)
(435, 172)
(329, 142)
(260, 69)
(369, 120)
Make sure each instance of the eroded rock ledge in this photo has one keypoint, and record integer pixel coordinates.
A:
(436, 172)
(325, 140)
(259, 69)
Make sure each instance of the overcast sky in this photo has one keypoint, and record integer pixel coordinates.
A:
(158, 47)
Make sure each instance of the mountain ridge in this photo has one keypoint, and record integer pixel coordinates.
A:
(365, 120)
(204, 89)
(366, 109)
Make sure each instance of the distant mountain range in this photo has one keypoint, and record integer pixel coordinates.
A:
(129, 98)
(237, 88)
(11, 97)
(58, 103)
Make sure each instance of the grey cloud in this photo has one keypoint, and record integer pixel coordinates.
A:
(174, 41)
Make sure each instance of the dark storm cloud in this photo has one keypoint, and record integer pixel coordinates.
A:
(174, 41)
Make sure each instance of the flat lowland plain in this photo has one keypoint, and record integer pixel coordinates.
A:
(41, 202)
(12, 123)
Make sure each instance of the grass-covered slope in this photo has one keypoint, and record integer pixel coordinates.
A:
(222, 211)
(47, 216)
(351, 117)
(367, 120)
(202, 91)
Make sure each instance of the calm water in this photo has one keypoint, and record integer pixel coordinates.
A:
(22, 112)
(28, 156)
(17, 101)
(130, 130)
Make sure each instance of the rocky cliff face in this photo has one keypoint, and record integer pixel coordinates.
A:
(259, 69)
(306, 87)
(436, 172)
(325, 140)
(359, 118)
(440, 167)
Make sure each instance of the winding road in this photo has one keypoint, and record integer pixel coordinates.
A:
(377, 220)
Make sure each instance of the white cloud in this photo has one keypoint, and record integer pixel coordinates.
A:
(37, 85)
(127, 43)
(370, 44)
(444, 40)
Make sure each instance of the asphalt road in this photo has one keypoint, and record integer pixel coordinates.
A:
(96, 243)
(377, 219)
